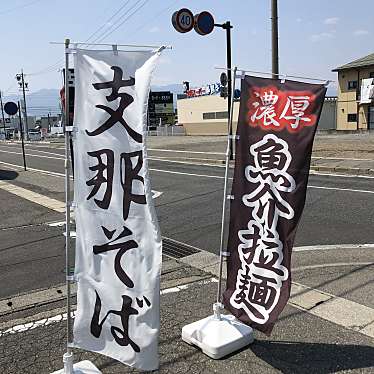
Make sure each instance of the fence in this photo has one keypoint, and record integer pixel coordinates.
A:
(167, 131)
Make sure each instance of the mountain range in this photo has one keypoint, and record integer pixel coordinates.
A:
(44, 101)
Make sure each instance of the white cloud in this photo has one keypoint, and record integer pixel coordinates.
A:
(154, 29)
(360, 32)
(331, 21)
(322, 36)
(299, 20)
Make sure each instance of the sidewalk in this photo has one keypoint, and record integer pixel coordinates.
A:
(301, 342)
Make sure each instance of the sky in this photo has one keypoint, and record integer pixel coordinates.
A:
(314, 36)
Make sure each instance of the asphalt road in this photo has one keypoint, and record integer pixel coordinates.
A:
(338, 210)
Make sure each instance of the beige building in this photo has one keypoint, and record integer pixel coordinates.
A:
(351, 115)
(205, 115)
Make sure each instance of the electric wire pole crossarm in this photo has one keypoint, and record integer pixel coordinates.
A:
(24, 86)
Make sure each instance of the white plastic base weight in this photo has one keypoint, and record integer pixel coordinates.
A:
(218, 337)
(82, 367)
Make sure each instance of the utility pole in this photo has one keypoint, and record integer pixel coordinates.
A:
(2, 111)
(274, 38)
(21, 82)
(21, 131)
(49, 123)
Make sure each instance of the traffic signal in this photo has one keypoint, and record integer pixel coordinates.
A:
(186, 86)
(224, 91)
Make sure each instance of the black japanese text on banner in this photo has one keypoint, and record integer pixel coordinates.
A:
(276, 127)
(118, 249)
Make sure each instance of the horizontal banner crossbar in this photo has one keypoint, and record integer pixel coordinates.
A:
(241, 72)
(114, 44)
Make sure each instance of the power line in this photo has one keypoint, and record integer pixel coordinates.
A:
(51, 68)
(156, 16)
(20, 7)
(48, 69)
(108, 20)
(126, 19)
(115, 23)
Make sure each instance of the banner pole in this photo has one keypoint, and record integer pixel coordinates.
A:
(68, 356)
(218, 304)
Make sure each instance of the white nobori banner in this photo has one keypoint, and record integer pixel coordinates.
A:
(118, 249)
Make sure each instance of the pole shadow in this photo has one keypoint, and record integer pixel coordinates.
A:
(8, 175)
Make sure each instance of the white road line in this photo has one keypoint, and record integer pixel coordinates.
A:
(192, 175)
(34, 197)
(313, 172)
(189, 174)
(184, 162)
(221, 177)
(31, 155)
(57, 146)
(340, 189)
(341, 158)
(334, 265)
(56, 224)
(35, 324)
(28, 149)
(332, 247)
(63, 316)
(55, 174)
(156, 194)
(223, 153)
(188, 159)
(179, 151)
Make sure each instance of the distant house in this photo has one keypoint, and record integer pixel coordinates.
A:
(46, 122)
(352, 112)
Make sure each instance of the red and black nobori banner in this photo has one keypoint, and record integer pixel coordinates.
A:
(276, 127)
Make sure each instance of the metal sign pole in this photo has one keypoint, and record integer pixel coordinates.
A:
(2, 112)
(22, 135)
(221, 334)
(82, 366)
(218, 305)
(68, 356)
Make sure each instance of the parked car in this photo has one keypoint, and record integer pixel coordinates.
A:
(35, 134)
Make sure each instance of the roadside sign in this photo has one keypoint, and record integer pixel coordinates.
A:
(11, 108)
(204, 23)
(183, 20)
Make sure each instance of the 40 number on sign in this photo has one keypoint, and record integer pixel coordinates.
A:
(183, 20)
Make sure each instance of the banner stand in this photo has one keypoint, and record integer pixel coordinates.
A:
(83, 367)
(220, 334)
